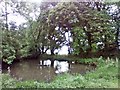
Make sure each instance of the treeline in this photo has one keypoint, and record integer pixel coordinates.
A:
(85, 27)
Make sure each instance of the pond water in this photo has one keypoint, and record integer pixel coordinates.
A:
(44, 70)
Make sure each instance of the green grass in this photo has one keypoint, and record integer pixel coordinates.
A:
(104, 76)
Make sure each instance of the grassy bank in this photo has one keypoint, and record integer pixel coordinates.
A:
(105, 76)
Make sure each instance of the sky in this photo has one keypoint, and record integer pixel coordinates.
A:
(72, 0)
(11, 17)
(37, 1)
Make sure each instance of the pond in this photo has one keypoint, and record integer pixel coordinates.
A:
(44, 70)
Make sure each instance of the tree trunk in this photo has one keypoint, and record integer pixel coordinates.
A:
(52, 51)
(42, 50)
(89, 41)
(52, 63)
(6, 16)
(118, 37)
(106, 44)
(69, 47)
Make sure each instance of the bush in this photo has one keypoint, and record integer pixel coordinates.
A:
(7, 81)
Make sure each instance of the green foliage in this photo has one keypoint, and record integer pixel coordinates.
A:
(80, 41)
(98, 29)
(27, 84)
(8, 51)
(98, 61)
(7, 81)
(87, 26)
(13, 45)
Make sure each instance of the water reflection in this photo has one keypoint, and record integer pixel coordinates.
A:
(61, 66)
(45, 70)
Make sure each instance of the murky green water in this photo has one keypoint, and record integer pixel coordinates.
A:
(44, 70)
